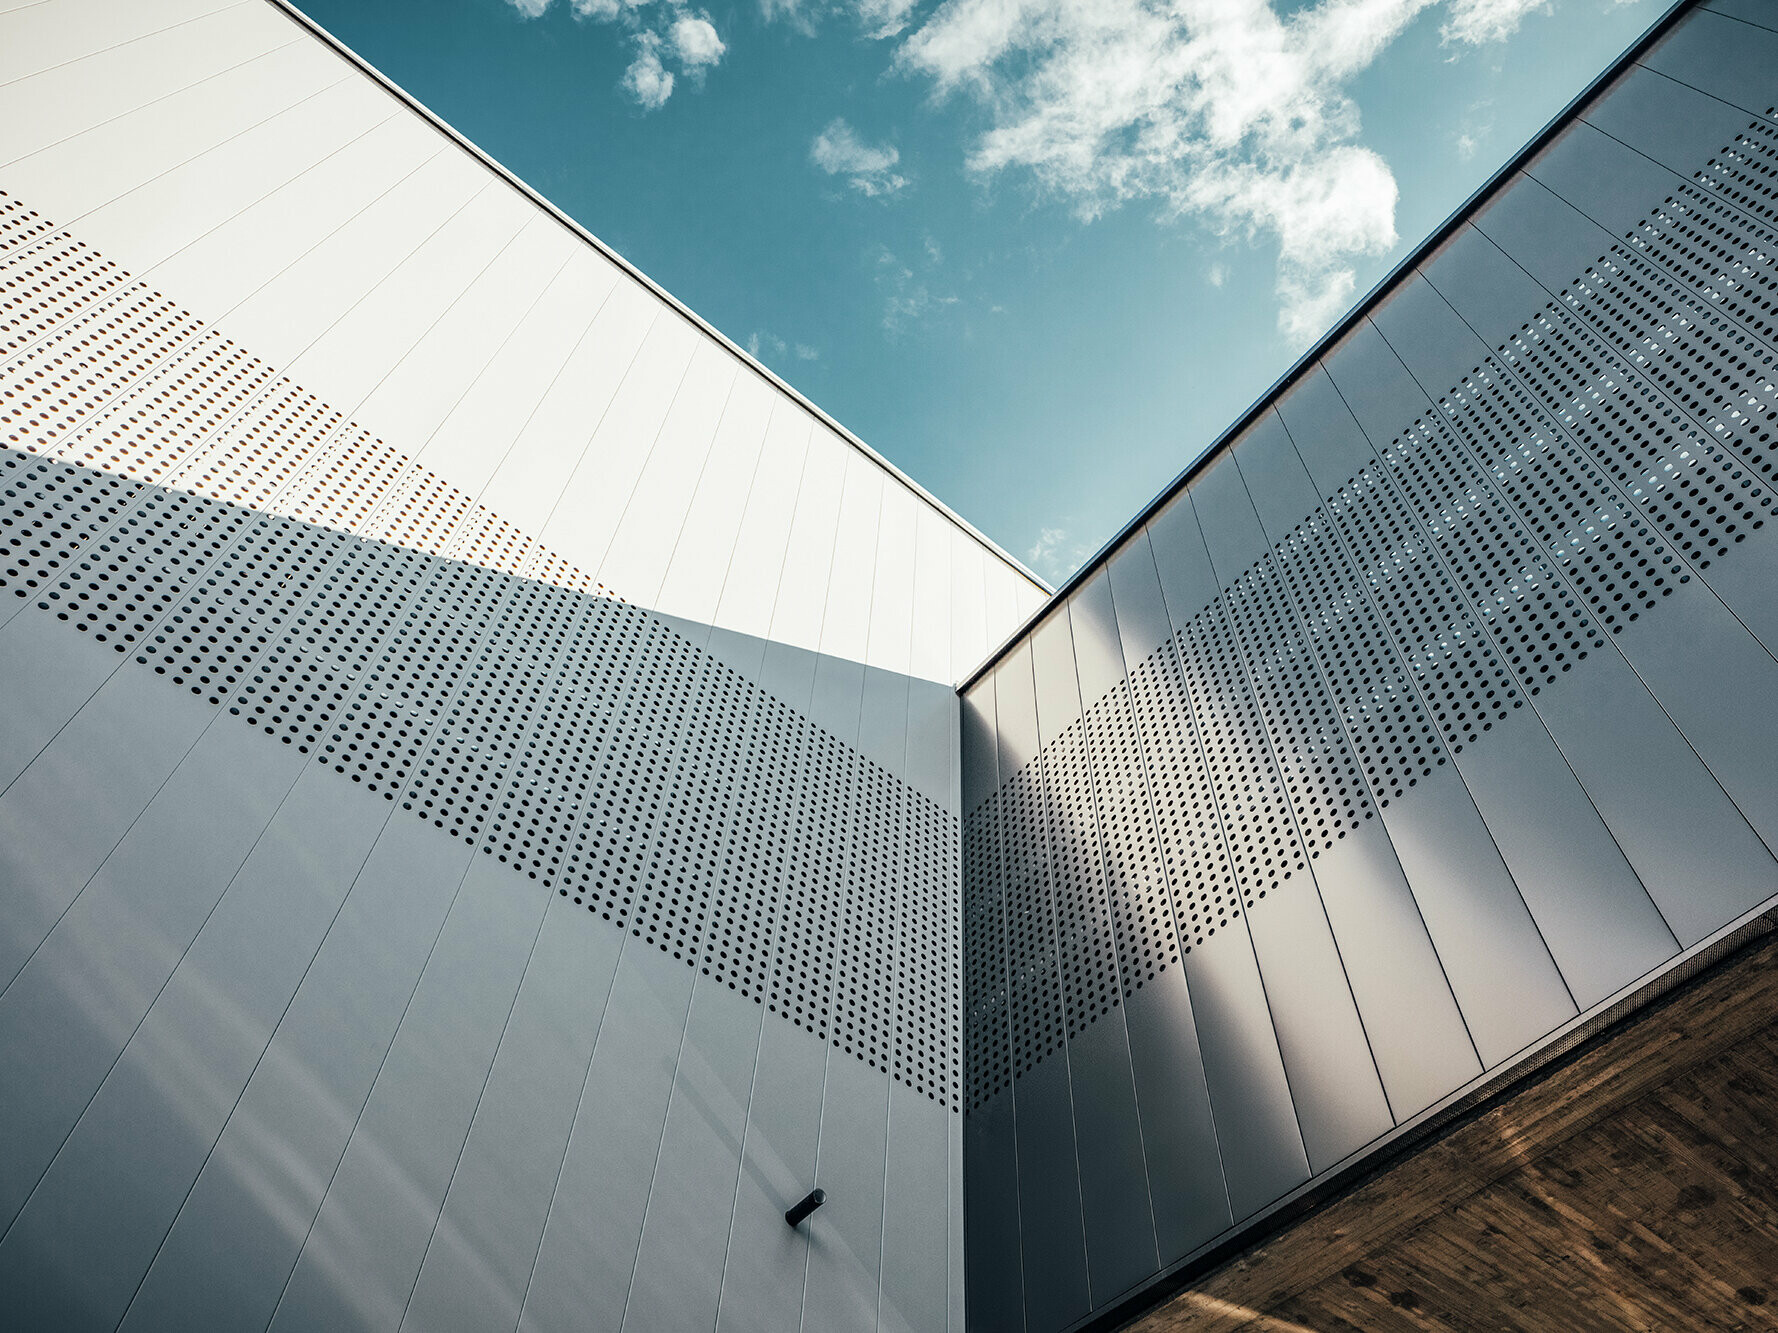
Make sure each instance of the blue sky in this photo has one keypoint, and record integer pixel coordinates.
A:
(1037, 252)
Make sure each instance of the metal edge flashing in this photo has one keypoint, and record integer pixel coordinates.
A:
(291, 10)
(1640, 1000)
(1326, 344)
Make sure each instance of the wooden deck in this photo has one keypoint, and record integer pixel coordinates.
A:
(1632, 1186)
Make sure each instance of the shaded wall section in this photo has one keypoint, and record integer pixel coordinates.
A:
(1429, 716)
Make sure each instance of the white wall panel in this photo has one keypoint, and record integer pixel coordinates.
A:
(40, 36)
(75, 176)
(283, 318)
(707, 539)
(890, 642)
(507, 392)
(751, 587)
(43, 108)
(256, 221)
(358, 352)
(592, 502)
(970, 638)
(797, 610)
(930, 648)
(531, 476)
(431, 380)
(654, 512)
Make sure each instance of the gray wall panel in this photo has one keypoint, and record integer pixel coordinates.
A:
(846, 1233)
(362, 1256)
(50, 674)
(595, 1220)
(1644, 779)
(131, 733)
(1732, 60)
(237, 1236)
(479, 1259)
(1411, 1020)
(767, 1263)
(679, 1265)
(916, 1214)
(74, 1006)
(1620, 568)
(1488, 947)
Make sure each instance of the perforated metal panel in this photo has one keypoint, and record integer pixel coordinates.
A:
(172, 496)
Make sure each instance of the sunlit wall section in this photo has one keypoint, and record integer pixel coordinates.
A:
(1429, 718)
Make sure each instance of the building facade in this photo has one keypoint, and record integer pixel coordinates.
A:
(487, 817)
(1426, 720)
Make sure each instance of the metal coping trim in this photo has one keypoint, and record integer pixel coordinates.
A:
(1403, 269)
(296, 15)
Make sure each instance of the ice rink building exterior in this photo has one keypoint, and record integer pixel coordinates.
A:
(499, 797)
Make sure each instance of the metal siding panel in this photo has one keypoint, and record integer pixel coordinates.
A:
(883, 720)
(1506, 984)
(930, 651)
(48, 674)
(1678, 126)
(1053, 672)
(712, 527)
(762, 1285)
(1001, 599)
(1140, 608)
(969, 612)
(846, 1232)
(931, 767)
(795, 618)
(288, 314)
(1015, 711)
(1659, 801)
(40, 36)
(119, 1182)
(977, 742)
(672, 363)
(107, 763)
(262, 1186)
(293, 102)
(642, 545)
(890, 641)
(407, 407)
(1734, 61)
(1098, 651)
(1758, 12)
(956, 1294)
(595, 1221)
(1410, 1019)
(995, 1295)
(1588, 904)
(757, 565)
(916, 1214)
(1052, 1233)
(247, 226)
(479, 1258)
(71, 98)
(1672, 639)
(1337, 1095)
(679, 1266)
(362, 1256)
(533, 473)
(359, 351)
(62, 1028)
(845, 624)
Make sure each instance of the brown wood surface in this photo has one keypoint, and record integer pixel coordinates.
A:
(1633, 1187)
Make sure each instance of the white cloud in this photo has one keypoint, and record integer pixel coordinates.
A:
(1217, 109)
(647, 80)
(763, 346)
(663, 31)
(908, 298)
(1057, 554)
(1473, 22)
(1217, 274)
(695, 40)
(869, 169)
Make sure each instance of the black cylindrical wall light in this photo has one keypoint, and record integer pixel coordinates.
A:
(804, 1206)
